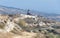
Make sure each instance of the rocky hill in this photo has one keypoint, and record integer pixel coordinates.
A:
(15, 23)
(28, 26)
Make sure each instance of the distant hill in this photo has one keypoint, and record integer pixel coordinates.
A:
(12, 10)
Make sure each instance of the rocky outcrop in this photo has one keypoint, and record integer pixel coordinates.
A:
(26, 26)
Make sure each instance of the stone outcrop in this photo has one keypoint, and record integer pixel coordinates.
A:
(25, 26)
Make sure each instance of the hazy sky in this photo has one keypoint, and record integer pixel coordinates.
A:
(50, 6)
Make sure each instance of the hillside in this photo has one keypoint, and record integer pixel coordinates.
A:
(27, 26)
(15, 23)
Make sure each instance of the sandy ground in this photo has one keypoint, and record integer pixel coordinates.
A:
(22, 35)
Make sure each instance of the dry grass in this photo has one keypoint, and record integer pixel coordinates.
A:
(22, 35)
(2, 25)
(6, 35)
(22, 22)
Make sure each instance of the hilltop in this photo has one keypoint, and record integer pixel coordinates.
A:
(15, 23)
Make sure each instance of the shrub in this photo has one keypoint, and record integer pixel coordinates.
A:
(2, 26)
(22, 23)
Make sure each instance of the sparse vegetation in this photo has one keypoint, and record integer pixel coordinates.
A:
(22, 22)
(32, 28)
(2, 25)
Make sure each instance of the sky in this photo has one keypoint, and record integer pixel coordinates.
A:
(47, 6)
